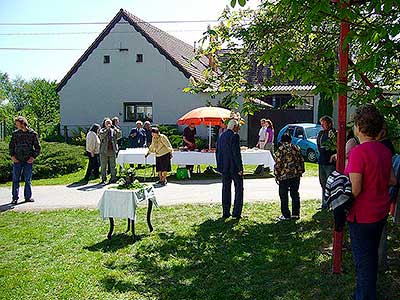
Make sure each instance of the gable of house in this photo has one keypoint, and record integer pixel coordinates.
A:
(180, 54)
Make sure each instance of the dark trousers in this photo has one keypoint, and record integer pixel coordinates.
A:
(19, 169)
(365, 243)
(290, 186)
(227, 194)
(324, 171)
(93, 167)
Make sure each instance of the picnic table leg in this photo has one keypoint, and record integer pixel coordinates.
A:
(129, 225)
(133, 229)
(110, 232)
(149, 209)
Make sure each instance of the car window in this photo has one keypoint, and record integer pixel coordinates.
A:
(290, 130)
(299, 132)
(312, 132)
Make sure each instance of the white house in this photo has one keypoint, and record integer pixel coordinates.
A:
(136, 71)
(132, 70)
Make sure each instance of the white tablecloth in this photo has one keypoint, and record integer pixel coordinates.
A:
(249, 157)
(122, 203)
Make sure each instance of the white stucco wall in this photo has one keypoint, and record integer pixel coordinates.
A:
(97, 90)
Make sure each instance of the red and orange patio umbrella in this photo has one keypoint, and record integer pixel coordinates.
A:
(206, 115)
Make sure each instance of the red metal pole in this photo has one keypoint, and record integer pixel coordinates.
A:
(341, 137)
(364, 78)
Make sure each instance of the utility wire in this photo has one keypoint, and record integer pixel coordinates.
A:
(47, 49)
(86, 32)
(104, 23)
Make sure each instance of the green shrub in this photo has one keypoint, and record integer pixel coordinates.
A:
(55, 159)
(78, 136)
(5, 163)
(124, 143)
(175, 137)
(201, 143)
(51, 133)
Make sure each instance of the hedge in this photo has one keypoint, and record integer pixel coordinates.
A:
(55, 159)
(175, 137)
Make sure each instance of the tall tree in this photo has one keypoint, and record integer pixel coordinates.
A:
(5, 87)
(44, 102)
(19, 93)
(298, 40)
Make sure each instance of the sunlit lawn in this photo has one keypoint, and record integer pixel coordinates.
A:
(192, 254)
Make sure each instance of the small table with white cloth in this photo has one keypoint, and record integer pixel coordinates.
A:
(249, 157)
(122, 204)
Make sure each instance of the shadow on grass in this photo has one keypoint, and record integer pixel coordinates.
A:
(232, 260)
(117, 242)
(238, 260)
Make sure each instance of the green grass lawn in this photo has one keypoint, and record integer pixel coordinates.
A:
(311, 170)
(192, 254)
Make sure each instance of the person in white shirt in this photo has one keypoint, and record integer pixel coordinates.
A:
(92, 151)
(261, 134)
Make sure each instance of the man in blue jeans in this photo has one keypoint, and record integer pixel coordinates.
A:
(24, 148)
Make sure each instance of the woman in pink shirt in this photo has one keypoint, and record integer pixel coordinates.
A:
(370, 171)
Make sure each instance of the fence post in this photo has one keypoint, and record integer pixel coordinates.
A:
(66, 133)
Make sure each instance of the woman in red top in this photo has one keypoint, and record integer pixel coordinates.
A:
(370, 171)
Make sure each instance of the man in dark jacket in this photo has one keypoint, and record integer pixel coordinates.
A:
(137, 136)
(326, 142)
(24, 148)
(229, 164)
(149, 137)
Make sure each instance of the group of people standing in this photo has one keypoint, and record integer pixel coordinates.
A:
(370, 171)
(289, 167)
(266, 135)
(103, 143)
(369, 168)
(370, 157)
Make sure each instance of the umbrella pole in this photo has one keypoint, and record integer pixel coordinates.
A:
(209, 136)
(145, 168)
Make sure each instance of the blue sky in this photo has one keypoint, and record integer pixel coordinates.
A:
(53, 65)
